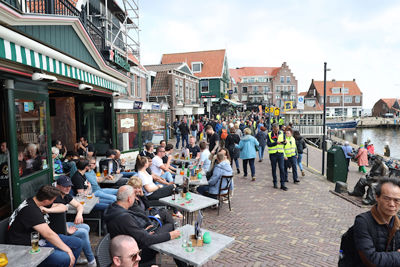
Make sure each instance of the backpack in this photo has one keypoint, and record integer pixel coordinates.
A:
(350, 256)
(224, 134)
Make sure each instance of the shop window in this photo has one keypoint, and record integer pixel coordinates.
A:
(127, 131)
(204, 86)
(31, 124)
(153, 127)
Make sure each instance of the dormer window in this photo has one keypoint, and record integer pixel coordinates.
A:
(197, 66)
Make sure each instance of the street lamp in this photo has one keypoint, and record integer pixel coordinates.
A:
(324, 122)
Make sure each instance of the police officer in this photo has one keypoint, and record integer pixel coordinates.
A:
(276, 141)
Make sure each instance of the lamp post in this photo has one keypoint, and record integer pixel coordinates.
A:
(324, 122)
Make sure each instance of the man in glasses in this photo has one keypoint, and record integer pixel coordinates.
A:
(376, 232)
(124, 251)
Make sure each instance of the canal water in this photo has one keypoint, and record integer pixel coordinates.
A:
(378, 136)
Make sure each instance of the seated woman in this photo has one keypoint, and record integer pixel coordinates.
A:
(222, 168)
(151, 190)
(142, 207)
(106, 195)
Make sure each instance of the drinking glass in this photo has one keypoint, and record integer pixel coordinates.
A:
(189, 246)
(185, 238)
(105, 172)
(35, 242)
(3, 259)
(80, 197)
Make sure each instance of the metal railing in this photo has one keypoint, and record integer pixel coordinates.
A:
(60, 8)
(310, 130)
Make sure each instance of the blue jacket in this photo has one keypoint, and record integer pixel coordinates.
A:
(221, 169)
(247, 146)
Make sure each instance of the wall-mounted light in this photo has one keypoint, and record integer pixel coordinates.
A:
(37, 76)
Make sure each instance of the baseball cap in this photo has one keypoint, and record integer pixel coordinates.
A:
(64, 181)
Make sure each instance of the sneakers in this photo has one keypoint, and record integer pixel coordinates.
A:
(275, 186)
(284, 188)
(92, 264)
(259, 160)
(238, 171)
(297, 181)
(303, 173)
(253, 179)
(81, 261)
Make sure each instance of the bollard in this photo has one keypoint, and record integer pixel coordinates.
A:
(343, 134)
(355, 141)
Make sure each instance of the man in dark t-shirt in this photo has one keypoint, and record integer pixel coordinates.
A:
(28, 218)
(193, 148)
(212, 139)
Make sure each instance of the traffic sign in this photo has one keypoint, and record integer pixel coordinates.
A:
(276, 112)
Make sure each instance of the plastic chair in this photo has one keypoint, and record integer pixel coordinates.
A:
(225, 196)
(103, 257)
(3, 230)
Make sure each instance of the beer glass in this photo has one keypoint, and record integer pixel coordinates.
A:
(35, 242)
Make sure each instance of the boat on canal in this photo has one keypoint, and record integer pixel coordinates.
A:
(342, 124)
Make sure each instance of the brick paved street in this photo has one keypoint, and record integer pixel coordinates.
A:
(300, 227)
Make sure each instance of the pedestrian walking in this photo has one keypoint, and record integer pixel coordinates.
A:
(248, 153)
(362, 159)
(348, 153)
(275, 142)
(234, 152)
(261, 137)
(183, 127)
(289, 154)
(300, 145)
(194, 128)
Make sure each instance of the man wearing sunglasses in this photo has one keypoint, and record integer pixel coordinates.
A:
(376, 232)
(124, 251)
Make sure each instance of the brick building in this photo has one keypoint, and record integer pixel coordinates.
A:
(386, 106)
(256, 86)
(344, 98)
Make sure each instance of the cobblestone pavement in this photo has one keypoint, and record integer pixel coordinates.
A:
(271, 227)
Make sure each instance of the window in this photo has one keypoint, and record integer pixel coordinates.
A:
(277, 97)
(255, 89)
(204, 86)
(265, 89)
(282, 79)
(334, 99)
(244, 89)
(336, 90)
(345, 90)
(187, 92)
(31, 135)
(176, 88)
(348, 99)
(287, 79)
(338, 111)
(354, 112)
(181, 88)
(357, 99)
(251, 80)
(133, 85)
(197, 66)
(310, 102)
(293, 89)
(139, 87)
(277, 89)
(244, 80)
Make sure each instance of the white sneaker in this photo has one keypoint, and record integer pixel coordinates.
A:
(92, 264)
(81, 261)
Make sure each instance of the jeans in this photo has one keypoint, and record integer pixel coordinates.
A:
(127, 174)
(178, 139)
(236, 163)
(252, 168)
(194, 133)
(83, 234)
(60, 258)
(299, 159)
(167, 176)
(291, 162)
(203, 190)
(185, 137)
(107, 195)
(261, 150)
(277, 158)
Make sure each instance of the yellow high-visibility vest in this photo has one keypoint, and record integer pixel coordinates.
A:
(290, 147)
(276, 148)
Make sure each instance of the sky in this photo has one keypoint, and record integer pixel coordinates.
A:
(359, 39)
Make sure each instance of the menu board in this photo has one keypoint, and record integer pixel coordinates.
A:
(153, 121)
(127, 122)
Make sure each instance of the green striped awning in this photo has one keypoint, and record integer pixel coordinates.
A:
(20, 54)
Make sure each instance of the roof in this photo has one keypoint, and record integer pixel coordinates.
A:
(316, 108)
(352, 85)
(160, 84)
(389, 101)
(134, 59)
(302, 93)
(213, 61)
(163, 67)
(238, 73)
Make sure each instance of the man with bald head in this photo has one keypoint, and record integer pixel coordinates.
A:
(124, 251)
(121, 221)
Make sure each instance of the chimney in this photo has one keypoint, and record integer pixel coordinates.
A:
(354, 79)
(312, 80)
(333, 80)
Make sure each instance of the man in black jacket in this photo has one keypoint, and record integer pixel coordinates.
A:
(183, 127)
(121, 221)
(376, 232)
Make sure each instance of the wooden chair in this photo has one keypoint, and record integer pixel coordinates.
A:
(225, 196)
(3, 230)
(103, 257)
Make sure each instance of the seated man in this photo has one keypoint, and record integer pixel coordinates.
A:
(167, 159)
(159, 168)
(148, 150)
(111, 165)
(376, 235)
(106, 195)
(120, 221)
(124, 251)
(81, 185)
(69, 165)
(28, 218)
(121, 165)
(193, 148)
(204, 161)
(76, 228)
(223, 168)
